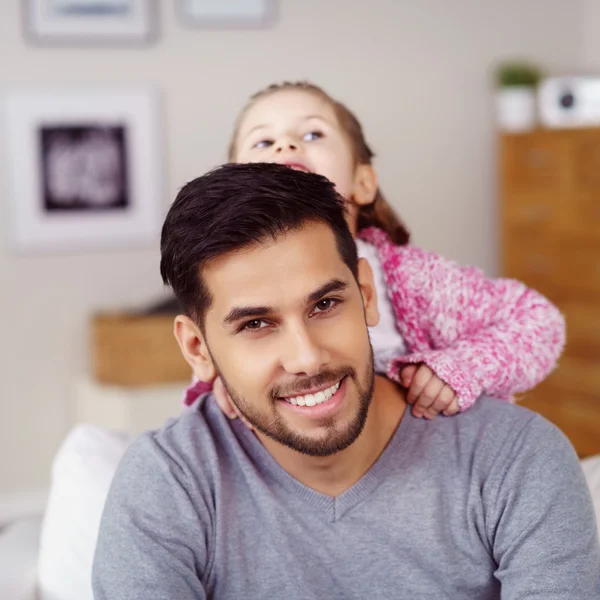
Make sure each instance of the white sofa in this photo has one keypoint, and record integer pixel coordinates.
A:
(19, 550)
(49, 557)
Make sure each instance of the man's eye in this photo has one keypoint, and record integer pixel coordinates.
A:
(253, 325)
(263, 144)
(324, 305)
(312, 135)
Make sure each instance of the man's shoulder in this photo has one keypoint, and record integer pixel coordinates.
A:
(494, 424)
(193, 442)
(488, 408)
(199, 424)
(502, 414)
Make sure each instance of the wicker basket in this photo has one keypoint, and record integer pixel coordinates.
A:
(135, 350)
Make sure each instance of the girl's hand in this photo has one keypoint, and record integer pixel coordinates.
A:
(225, 403)
(428, 394)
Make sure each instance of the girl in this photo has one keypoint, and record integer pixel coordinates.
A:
(447, 333)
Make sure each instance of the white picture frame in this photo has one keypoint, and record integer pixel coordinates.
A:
(84, 168)
(227, 13)
(90, 22)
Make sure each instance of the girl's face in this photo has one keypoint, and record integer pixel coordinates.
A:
(299, 129)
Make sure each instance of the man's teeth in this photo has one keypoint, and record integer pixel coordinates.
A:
(314, 399)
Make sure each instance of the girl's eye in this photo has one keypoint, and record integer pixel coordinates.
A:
(325, 305)
(311, 136)
(263, 144)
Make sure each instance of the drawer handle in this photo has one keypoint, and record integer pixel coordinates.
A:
(534, 212)
(537, 158)
(540, 265)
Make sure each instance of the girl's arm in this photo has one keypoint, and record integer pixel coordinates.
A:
(196, 389)
(480, 335)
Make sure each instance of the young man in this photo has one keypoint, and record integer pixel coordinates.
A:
(348, 496)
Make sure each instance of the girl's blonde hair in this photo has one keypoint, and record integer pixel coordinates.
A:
(377, 214)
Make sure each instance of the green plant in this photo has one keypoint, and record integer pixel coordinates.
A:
(512, 74)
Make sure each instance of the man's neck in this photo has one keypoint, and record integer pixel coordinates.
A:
(333, 475)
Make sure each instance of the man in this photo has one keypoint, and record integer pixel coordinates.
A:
(348, 496)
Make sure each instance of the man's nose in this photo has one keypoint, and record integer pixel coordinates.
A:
(303, 354)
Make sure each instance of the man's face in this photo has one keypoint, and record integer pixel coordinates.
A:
(287, 333)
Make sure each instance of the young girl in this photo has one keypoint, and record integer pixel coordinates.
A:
(447, 333)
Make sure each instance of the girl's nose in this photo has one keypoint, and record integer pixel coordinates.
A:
(286, 144)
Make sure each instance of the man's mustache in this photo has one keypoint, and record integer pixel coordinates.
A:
(301, 386)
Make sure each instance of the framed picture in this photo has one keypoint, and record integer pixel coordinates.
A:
(90, 22)
(227, 13)
(84, 168)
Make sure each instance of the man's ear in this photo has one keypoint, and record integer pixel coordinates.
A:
(193, 347)
(365, 185)
(369, 294)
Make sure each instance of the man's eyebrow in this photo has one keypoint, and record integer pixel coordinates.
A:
(246, 312)
(335, 285)
(237, 313)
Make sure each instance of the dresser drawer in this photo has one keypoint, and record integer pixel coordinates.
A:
(550, 181)
(586, 160)
(583, 330)
(582, 215)
(559, 266)
(577, 375)
(534, 161)
(534, 211)
(583, 202)
(553, 213)
(576, 414)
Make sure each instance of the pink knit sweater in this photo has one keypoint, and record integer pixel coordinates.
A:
(480, 335)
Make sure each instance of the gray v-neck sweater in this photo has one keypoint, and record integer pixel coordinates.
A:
(489, 504)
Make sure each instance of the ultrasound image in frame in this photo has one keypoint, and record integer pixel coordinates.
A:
(84, 168)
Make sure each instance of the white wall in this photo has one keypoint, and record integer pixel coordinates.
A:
(591, 39)
(416, 73)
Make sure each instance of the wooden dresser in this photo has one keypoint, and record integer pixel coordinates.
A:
(550, 215)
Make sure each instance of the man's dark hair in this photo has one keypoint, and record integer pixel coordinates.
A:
(238, 205)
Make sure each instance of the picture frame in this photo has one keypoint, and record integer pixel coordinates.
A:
(84, 168)
(220, 14)
(90, 22)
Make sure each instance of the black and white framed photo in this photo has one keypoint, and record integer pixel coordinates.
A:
(227, 13)
(90, 22)
(84, 168)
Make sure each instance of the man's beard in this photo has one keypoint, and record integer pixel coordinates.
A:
(335, 440)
